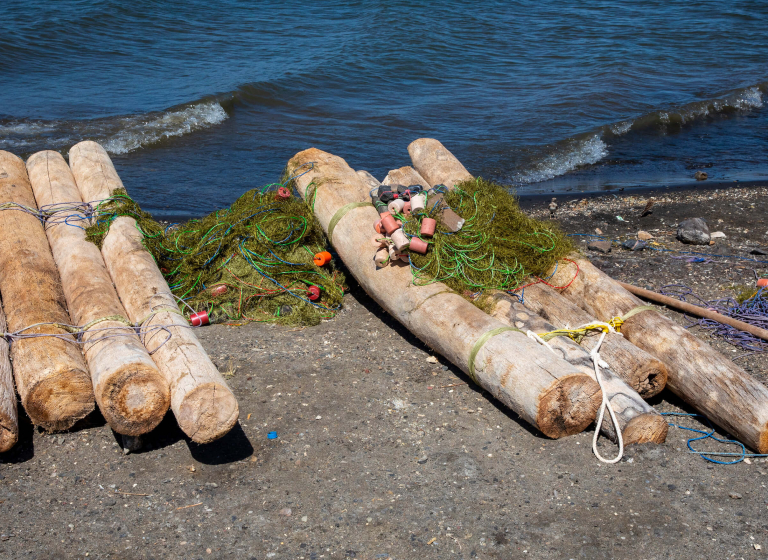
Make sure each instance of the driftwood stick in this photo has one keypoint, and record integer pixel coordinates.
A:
(695, 310)
(543, 389)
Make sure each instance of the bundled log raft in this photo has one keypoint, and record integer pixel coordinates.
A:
(203, 404)
(698, 373)
(9, 420)
(638, 421)
(543, 389)
(51, 376)
(130, 391)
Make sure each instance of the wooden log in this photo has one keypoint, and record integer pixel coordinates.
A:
(9, 419)
(698, 374)
(203, 404)
(544, 390)
(51, 376)
(371, 181)
(406, 176)
(643, 372)
(436, 163)
(130, 391)
(638, 421)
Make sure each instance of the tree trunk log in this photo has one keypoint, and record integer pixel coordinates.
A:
(9, 419)
(643, 372)
(406, 176)
(436, 164)
(638, 421)
(698, 374)
(51, 375)
(544, 390)
(371, 181)
(130, 391)
(203, 404)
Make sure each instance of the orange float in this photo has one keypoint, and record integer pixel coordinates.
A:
(322, 258)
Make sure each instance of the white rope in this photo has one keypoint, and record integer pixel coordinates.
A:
(598, 362)
(533, 336)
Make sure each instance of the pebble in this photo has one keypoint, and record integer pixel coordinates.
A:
(693, 231)
(634, 245)
(734, 496)
(700, 175)
(286, 512)
(423, 459)
(717, 235)
(644, 235)
(603, 246)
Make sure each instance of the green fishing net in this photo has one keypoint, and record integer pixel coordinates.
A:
(253, 261)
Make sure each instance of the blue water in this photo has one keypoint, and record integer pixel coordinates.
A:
(199, 101)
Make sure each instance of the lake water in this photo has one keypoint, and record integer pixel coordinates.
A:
(200, 101)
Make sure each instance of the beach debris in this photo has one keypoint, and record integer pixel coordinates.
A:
(600, 245)
(717, 235)
(700, 175)
(634, 245)
(693, 231)
(272, 435)
(644, 235)
(620, 219)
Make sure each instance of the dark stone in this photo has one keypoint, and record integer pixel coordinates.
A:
(602, 245)
(700, 175)
(759, 251)
(693, 231)
(634, 245)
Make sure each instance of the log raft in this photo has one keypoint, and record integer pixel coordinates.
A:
(638, 421)
(698, 374)
(9, 419)
(130, 391)
(50, 372)
(204, 406)
(543, 389)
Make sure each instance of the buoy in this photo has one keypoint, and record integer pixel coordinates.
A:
(389, 224)
(377, 227)
(283, 194)
(407, 209)
(218, 290)
(381, 258)
(199, 319)
(378, 241)
(418, 245)
(322, 258)
(418, 203)
(762, 283)
(396, 206)
(428, 226)
(313, 293)
(400, 240)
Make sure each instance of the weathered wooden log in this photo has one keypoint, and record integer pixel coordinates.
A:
(643, 372)
(436, 163)
(130, 391)
(406, 176)
(203, 404)
(371, 181)
(544, 390)
(9, 419)
(698, 374)
(51, 376)
(638, 421)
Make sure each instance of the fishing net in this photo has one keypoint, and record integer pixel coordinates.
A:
(253, 261)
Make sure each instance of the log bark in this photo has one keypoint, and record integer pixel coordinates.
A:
(544, 390)
(436, 163)
(51, 376)
(131, 392)
(643, 372)
(204, 406)
(698, 374)
(638, 421)
(406, 176)
(9, 419)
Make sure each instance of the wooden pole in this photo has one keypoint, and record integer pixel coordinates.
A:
(51, 376)
(130, 391)
(406, 176)
(643, 372)
(436, 163)
(9, 419)
(696, 310)
(699, 374)
(543, 389)
(203, 404)
(638, 421)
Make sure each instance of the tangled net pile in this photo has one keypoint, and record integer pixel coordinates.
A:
(253, 261)
(499, 247)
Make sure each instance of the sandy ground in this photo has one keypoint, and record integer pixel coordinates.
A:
(382, 454)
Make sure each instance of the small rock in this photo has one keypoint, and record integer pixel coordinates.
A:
(132, 444)
(700, 175)
(192, 469)
(757, 546)
(693, 231)
(286, 512)
(109, 502)
(644, 235)
(432, 360)
(717, 235)
(603, 246)
(759, 251)
(734, 496)
(598, 231)
(634, 245)
(423, 459)
(304, 518)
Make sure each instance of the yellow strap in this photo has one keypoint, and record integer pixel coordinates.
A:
(479, 344)
(616, 322)
(340, 213)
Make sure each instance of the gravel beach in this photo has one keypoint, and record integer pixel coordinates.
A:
(384, 450)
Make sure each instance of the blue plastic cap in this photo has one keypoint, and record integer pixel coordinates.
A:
(272, 435)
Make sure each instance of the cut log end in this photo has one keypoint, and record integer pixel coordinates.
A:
(135, 400)
(568, 406)
(9, 434)
(57, 402)
(651, 379)
(208, 412)
(645, 428)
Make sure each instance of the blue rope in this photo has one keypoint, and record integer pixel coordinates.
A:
(710, 435)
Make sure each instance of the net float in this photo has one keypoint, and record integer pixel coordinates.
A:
(381, 258)
(407, 209)
(218, 290)
(428, 226)
(400, 240)
(418, 203)
(418, 245)
(762, 283)
(283, 194)
(378, 241)
(313, 293)
(199, 319)
(389, 224)
(396, 206)
(322, 258)
(378, 228)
